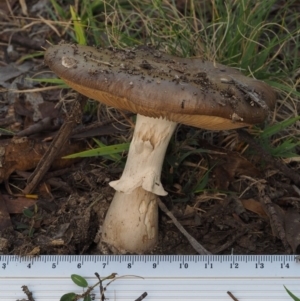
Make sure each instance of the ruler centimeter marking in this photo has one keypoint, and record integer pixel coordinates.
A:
(163, 277)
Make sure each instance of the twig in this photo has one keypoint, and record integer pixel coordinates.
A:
(100, 286)
(23, 41)
(82, 132)
(142, 297)
(233, 239)
(7, 121)
(273, 214)
(231, 296)
(296, 189)
(248, 91)
(60, 139)
(194, 243)
(5, 221)
(42, 125)
(100, 283)
(28, 293)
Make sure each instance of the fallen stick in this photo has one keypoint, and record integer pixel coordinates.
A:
(60, 139)
(194, 243)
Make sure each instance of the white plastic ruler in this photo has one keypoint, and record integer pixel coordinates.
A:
(164, 277)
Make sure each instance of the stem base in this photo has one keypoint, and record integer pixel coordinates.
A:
(131, 223)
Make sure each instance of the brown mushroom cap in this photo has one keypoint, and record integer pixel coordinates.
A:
(149, 82)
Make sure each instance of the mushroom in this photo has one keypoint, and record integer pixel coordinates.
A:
(163, 90)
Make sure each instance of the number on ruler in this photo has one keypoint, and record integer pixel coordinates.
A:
(208, 266)
(3, 266)
(259, 265)
(103, 265)
(287, 265)
(183, 265)
(129, 266)
(79, 266)
(53, 265)
(154, 265)
(234, 265)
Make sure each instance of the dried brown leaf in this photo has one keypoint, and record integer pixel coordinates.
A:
(24, 154)
(292, 230)
(254, 206)
(228, 165)
(5, 221)
(17, 204)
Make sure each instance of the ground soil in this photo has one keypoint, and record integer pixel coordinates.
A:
(69, 223)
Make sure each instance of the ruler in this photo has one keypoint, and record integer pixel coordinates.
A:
(163, 277)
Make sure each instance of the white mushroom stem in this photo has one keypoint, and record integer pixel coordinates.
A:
(131, 223)
(146, 155)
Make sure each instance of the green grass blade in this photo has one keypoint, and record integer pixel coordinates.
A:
(292, 295)
(287, 149)
(202, 183)
(276, 128)
(56, 81)
(30, 56)
(114, 157)
(283, 87)
(6, 132)
(88, 18)
(78, 27)
(59, 10)
(101, 151)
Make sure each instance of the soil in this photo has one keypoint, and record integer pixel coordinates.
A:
(249, 205)
(69, 224)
